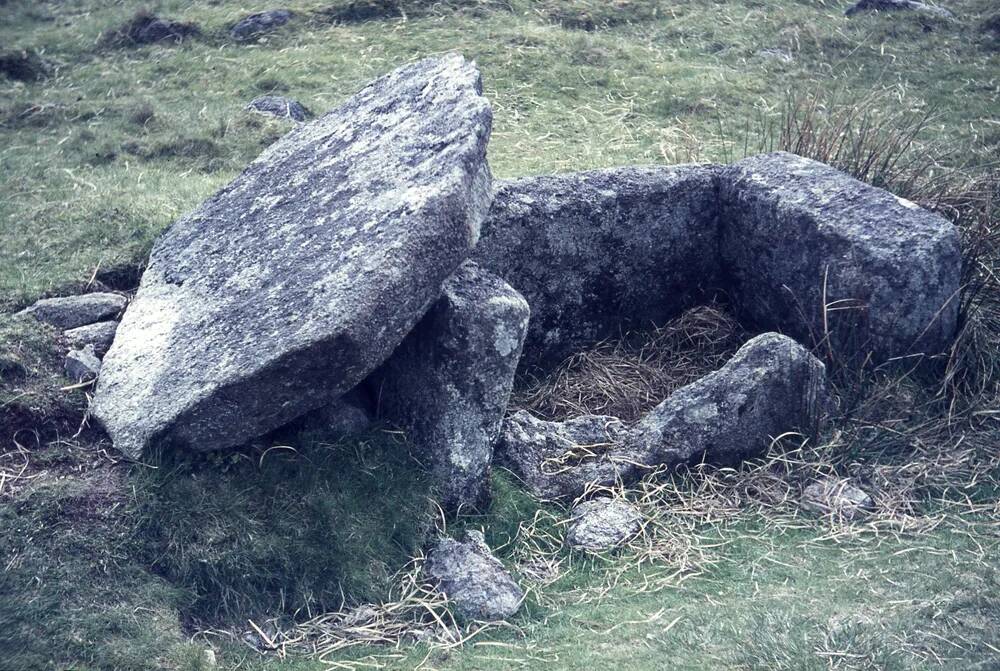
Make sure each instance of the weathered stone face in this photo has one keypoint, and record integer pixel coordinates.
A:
(597, 253)
(799, 235)
(291, 284)
(100, 335)
(448, 383)
(563, 459)
(771, 386)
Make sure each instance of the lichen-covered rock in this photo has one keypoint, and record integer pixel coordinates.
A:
(68, 312)
(837, 497)
(448, 383)
(899, 5)
(100, 335)
(562, 459)
(473, 579)
(279, 106)
(595, 253)
(259, 23)
(771, 386)
(82, 364)
(602, 524)
(828, 259)
(291, 284)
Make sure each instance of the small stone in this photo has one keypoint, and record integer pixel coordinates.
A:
(800, 238)
(257, 24)
(69, 312)
(279, 106)
(602, 524)
(561, 459)
(349, 415)
(82, 364)
(209, 660)
(100, 335)
(837, 497)
(771, 386)
(473, 579)
(602, 252)
(448, 383)
(147, 28)
(899, 5)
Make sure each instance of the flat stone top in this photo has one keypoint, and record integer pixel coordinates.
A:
(850, 209)
(316, 260)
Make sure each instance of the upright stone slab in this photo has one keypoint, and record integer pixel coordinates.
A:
(448, 383)
(799, 236)
(598, 252)
(291, 284)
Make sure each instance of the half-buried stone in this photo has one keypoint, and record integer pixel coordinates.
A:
(290, 285)
(600, 252)
(448, 383)
(771, 386)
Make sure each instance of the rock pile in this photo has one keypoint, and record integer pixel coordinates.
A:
(363, 265)
(771, 386)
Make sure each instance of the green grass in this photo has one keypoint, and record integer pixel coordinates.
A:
(114, 566)
(116, 143)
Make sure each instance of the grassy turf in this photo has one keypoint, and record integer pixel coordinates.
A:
(113, 567)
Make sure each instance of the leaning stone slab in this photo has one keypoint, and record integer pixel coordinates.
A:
(771, 386)
(286, 288)
(832, 261)
(602, 524)
(448, 383)
(67, 312)
(595, 253)
(473, 579)
(100, 335)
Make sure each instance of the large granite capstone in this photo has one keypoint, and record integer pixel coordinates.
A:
(291, 284)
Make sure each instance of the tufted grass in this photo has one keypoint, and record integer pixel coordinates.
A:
(109, 566)
(115, 143)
